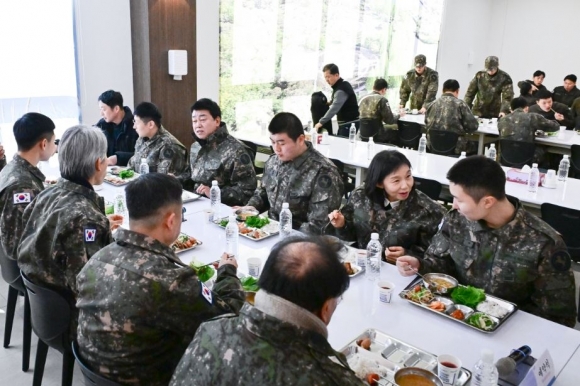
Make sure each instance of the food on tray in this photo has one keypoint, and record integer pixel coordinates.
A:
(224, 222)
(204, 272)
(114, 179)
(244, 213)
(438, 282)
(414, 380)
(364, 343)
(437, 306)
(481, 320)
(184, 242)
(350, 269)
(492, 308)
(457, 314)
(372, 379)
(250, 283)
(257, 221)
(468, 296)
(127, 173)
(419, 294)
(258, 234)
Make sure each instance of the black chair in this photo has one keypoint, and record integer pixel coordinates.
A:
(346, 180)
(11, 275)
(51, 315)
(409, 134)
(516, 153)
(344, 128)
(431, 188)
(443, 142)
(253, 150)
(91, 378)
(369, 127)
(567, 222)
(575, 161)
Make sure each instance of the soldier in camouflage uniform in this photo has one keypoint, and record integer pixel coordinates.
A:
(299, 175)
(554, 111)
(282, 339)
(216, 155)
(421, 83)
(66, 224)
(490, 241)
(404, 217)
(522, 126)
(163, 152)
(567, 93)
(376, 107)
(492, 90)
(21, 180)
(452, 114)
(139, 304)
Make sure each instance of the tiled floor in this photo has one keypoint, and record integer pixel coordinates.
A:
(11, 358)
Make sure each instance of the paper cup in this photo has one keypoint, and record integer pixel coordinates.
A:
(254, 265)
(361, 258)
(208, 213)
(386, 289)
(448, 368)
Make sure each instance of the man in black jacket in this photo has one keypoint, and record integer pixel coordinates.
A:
(343, 101)
(117, 125)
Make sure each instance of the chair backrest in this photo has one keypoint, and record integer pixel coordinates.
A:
(516, 153)
(10, 271)
(251, 148)
(91, 378)
(575, 161)
(567, 222)
(50, 314)
(409, 134)
(344, 128)
(431, 188)
(369, 127)
(443, 142)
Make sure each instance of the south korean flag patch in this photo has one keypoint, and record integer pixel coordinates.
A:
(90, 235)
(206, 293)
(22, 198)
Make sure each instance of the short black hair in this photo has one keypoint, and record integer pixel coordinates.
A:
(450, 85)
(305, 270)
(32, 128)
(539, 72)
(380, 84)
(479, 176)
(147, 111)
(151, 192)
(543, 94)
(518, 102)
(384, 163)
(209, 105)
(112, 98)
(331, 67)
(286, 123)
(571, 77)
(525, 88)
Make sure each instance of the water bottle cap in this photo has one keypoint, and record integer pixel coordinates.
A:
(487, 355)
(423, 136)
(352, 126)
(285, 205)
(463, 153)
(566, 156)
(371, 139)
(214, 183)
(534, 165)
(492, 145)
(374, 236)
(143, 160)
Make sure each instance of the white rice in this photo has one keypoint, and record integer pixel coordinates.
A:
(492, 308)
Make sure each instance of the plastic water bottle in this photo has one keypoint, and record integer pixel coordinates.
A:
(463, 155)
(373, 264)
(423, 144)
(484, 372)
(143, 166)
(119, 206)
(352, 133)
(215, 198)
(371, 147)
(492, 154)
(534, 179)
(285, 223)
(563, 168)
(232, 236)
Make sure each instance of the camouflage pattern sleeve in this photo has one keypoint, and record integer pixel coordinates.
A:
(260, 199)
(427, 231)
(468, 120)
(327, 190)
(348, 232)
(131, 163)
(471, 92)
(538, 122)
(507, 94)
(568, 120)
(386, 113)
(437, 257)
(404, 91)
(243, 181)
(431, 89)
(174, 158)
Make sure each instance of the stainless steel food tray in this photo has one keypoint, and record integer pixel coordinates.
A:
(120, 182)
(187, 196)
(390, 354)
(272, 229)
(450, 307)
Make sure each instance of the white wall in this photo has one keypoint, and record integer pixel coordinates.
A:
(103, 29)
(208, 50)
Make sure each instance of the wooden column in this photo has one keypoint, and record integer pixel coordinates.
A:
(158, 26)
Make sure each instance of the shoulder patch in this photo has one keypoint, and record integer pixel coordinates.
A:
(325, 181)
(206, 293)
(168, 152)
(561, 261)
(434, 77)
(245, 159)
(90, 235)
(21, 198)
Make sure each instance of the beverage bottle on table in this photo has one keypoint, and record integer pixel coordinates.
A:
(463, 155)
(484, 372)
(143, 166)
(563, 168)
(215, 199)
(371, 147)
(352, 133)
(285, 223)
(232, 235)
(423, 144)
(373, 264)
(119, 206)
(492, 154)
(534, 179)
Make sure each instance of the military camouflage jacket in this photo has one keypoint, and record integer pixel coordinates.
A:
(258, 348)
(561, 108)
(422, 88)
(524, 262)
(410, 225)
(223, 158)
(310, 184)
(376, 106)
(140, 307)
(163, 150)
(521, 126)
(453, 114)
(492, 94)
(20, 182)
(65, 226)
